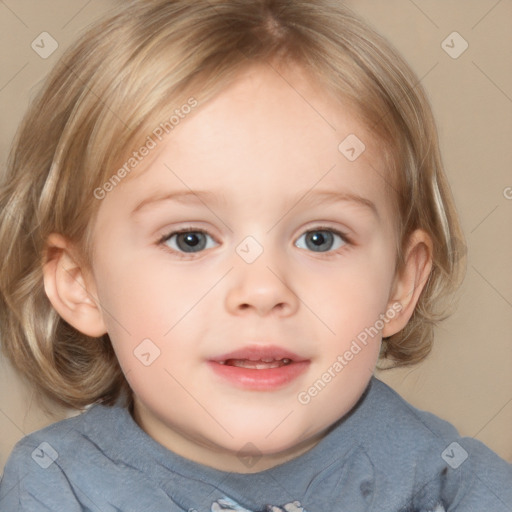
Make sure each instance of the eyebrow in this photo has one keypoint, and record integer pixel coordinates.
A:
(181, 196)
(205, 196)
(331, 196)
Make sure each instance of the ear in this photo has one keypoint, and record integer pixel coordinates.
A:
(410, 281)
(70, 289)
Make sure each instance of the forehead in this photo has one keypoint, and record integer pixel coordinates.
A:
(265, 101)
(268, 132)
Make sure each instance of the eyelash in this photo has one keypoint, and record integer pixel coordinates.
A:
(161, 241)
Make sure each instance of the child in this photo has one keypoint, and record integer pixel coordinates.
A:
(218, 215)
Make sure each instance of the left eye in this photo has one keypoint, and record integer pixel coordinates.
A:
(320, 240)
(189, 241)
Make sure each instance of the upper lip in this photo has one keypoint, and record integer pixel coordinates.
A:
(260, 353)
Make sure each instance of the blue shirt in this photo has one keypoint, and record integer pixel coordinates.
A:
(384, 456)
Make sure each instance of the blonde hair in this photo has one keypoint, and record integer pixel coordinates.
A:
(132, 70)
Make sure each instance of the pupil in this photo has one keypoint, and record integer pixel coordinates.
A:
(190, 242)
(320, 240)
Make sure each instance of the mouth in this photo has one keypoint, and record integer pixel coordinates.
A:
(263, 364)
(259, 368)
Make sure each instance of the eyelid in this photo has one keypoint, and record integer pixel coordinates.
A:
(343, 234)
(189, 229)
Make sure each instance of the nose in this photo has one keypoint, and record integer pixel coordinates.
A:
(259, 288)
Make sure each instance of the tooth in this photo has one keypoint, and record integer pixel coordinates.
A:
(265, 366)
(254, 365)
(260, 364)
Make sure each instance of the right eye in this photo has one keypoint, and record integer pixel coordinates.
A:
(188, 241)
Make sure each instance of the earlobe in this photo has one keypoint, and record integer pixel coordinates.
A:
(410, 282)
(71, 294)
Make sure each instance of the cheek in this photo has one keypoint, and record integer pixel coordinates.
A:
(352, 296)
(141, 297)
(148, 310)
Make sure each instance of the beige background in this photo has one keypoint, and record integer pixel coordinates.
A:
(468, 378)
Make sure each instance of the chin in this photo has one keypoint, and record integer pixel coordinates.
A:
(257, 442)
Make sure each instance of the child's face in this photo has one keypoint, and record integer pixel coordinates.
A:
(263, 159)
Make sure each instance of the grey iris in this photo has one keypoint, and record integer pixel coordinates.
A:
(191, 242)
(319, 241)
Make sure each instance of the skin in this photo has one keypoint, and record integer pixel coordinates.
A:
(258, 147)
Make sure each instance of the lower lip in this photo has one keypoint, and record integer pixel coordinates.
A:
(259, 380)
